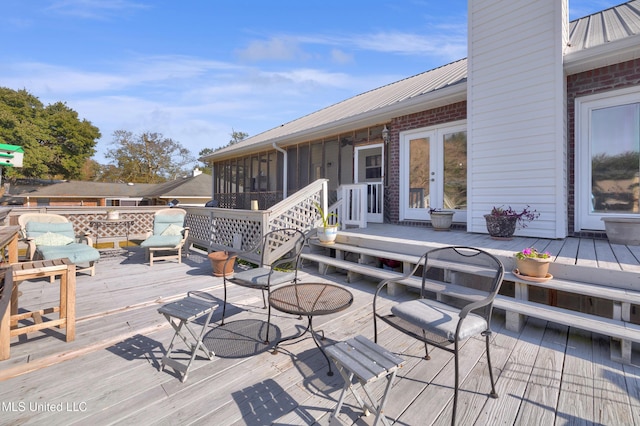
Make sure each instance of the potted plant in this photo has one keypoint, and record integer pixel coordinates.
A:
(532, 263)
(502, 222)
(222, 267)
(328, 232)
(441, 219)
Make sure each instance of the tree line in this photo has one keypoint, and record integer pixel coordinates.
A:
(59, 145)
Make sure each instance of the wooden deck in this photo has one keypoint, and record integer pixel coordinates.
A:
(584, 252)
(546, 374)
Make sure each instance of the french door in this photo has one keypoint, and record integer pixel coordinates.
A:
(433, 171)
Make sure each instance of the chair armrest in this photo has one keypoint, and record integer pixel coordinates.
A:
(85, 237)
(31, 247)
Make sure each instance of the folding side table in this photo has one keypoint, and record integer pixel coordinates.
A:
(359, 357)
(186, 310)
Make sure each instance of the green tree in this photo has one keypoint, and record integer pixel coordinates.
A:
(147, 158)
(56, 142)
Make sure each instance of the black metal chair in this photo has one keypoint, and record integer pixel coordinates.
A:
(279, 253)
(459, 285)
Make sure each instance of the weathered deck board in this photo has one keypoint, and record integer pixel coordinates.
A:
(546, 372)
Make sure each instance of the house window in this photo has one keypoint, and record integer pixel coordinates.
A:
(373, 166)
(607, 157)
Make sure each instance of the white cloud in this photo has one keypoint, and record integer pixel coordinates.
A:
(281, 49)
(95, 9)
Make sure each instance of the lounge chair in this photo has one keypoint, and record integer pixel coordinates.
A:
(51, 236)
(165, 240)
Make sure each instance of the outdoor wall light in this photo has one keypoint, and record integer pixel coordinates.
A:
(385, 134)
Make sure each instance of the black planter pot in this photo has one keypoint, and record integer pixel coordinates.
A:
(501, 227)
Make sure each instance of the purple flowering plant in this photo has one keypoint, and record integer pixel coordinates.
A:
(531, 253)
(523, 217)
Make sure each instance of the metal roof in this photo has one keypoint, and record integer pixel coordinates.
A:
(616, 23)
(619, 23)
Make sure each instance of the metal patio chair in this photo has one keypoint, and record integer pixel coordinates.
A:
(279, 253)
(459, 285)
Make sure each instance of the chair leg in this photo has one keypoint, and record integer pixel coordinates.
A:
(455, 389)
(264, 300)
(224, 305)
(426, 348)
(493, 393)
(266, 342)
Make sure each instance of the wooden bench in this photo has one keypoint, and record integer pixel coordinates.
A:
(619, 327)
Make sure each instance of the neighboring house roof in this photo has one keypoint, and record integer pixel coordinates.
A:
(74, 189)
(190, 187)
(609, 36)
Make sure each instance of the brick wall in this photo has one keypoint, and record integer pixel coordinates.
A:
(618, 76)
(444, 114)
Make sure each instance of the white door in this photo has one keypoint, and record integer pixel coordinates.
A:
(369, 168)
(433, 171)
(607, 157)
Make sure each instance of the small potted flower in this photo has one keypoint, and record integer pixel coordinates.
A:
(532, 263)
(502, 222)
(441, 219)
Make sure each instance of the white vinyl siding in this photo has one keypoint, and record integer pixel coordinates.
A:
(516, 112)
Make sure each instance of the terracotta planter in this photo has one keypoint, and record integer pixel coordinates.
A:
(442, 220)
(218, 260)
(501, 227)
(328, 234)
(533, 267)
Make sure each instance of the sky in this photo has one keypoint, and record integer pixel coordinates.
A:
(197, 70)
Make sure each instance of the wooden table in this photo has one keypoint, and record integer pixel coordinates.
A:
(9, 315)
(310, 299)
(9, 242)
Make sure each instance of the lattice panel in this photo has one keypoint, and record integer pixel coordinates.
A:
(302, 216)
(225, 228)
(199, 229)
(142, 223)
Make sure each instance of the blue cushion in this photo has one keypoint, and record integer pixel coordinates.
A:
(35, 229)
(163, 221)
(439, 318)
(162, 241)
(75, 252)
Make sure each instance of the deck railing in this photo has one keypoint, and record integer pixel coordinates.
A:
(216, 229)
(210, 228)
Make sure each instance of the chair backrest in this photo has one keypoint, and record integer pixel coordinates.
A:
(164, 218)
(282, 246)
(470, 274)
(41, 219)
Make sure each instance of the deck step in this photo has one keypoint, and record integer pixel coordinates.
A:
(517, 308)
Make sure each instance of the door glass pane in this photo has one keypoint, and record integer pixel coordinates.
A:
(419, 173)
(615, 159)
(455, 171)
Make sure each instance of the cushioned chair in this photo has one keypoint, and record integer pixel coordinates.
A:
(165, 240)
(466, 281)
(51, 236)
(279, 253)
